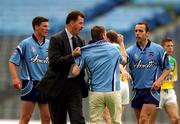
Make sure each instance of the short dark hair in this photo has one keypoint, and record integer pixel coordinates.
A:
(97, 33)
(73, 16)
(113, 36)
(146, 25)
(166, 40)
(38, 20)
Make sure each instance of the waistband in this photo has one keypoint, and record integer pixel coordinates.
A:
(33, 82)
(166, 90)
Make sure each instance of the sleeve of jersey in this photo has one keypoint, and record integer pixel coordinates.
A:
(128, 54)
(164, 61)
(80, 62)
(15, 57)
(175, 71)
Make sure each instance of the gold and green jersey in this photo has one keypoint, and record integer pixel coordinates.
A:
(168, 82)
(123, 79)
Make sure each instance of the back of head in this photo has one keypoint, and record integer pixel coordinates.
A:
(97, 33)
(112, 36)
(73, 16)
(38, 20)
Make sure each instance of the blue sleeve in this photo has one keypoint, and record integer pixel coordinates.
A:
(80, 62)
(16, 57)
(164, 60)
(128, 55)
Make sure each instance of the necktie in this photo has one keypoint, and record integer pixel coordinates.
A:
(74, 39)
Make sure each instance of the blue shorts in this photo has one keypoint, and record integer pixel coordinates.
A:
(29, 92)
(145, 96)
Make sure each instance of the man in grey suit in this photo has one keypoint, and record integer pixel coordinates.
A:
(65, 94)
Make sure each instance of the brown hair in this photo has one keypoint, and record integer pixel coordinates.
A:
(112, 36)
(166, 40)
(146, 25)
(97, 33)
(38, 20)
(73, 16)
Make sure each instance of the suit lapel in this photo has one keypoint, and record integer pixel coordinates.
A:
(66, 42)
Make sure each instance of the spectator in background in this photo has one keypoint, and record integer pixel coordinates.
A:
(102, 60)
(149, 65)
(168, 98)
(32, 57)
(64, 94)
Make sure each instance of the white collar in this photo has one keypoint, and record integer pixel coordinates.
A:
(68, 33)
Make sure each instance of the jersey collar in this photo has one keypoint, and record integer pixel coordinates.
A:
(36, 40)
(148, 45)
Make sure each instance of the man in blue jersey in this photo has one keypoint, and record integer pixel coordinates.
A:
(102, 60)
(32, 59)
(149, 65)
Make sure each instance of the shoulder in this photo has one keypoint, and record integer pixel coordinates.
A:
(59, 35)
(46, 41)
(173, 59)
(131, 48)
(156, 46)
(26, 41)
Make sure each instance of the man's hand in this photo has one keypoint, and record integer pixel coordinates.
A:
(156, 85)
(17, 83)
(75, 70)
(126, 76)
(76, 52)
(120, 38)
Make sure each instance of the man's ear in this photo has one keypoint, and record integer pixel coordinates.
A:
(36, 27)
(104, 36)
(147, 34)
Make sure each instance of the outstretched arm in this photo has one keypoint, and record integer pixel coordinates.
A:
(122, 48)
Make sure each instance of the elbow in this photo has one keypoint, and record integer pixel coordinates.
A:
(124, 60)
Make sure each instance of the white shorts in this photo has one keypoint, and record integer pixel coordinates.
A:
(124, 92)
(167, 97)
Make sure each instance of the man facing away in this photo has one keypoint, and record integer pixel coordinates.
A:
(32, 59)
(149, 65)
(102, 60)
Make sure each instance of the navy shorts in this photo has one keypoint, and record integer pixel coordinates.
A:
(145, 96)
(29, 92)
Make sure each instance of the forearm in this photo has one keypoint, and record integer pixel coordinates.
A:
(123, 52)
(13, 71)
(163, 75)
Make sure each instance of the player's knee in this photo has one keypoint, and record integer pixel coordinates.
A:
(175, 119)
(25, 118)
(143, 119)
(46, 119)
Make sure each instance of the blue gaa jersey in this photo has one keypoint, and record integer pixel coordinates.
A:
(147, 64)
(36, 56)
(102, 60)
